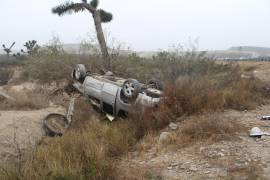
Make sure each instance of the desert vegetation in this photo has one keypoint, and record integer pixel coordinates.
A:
(99, 15)
(195, 87)
(197, 92)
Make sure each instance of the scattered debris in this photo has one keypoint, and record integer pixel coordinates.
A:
(55, 124)
(265, 118)
(70, 110)
(256, 132)
(173, 126)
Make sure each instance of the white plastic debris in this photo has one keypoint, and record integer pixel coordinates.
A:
(173, 126)
(255, 132)
(265, 118)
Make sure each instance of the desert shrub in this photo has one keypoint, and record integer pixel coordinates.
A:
(5, 75)
(168, 66)
(26, 100)
(11, 61)
(211, 128)
(147, 119)
(44, 69)
(218, 88)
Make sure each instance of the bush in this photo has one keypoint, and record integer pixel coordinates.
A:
(215, 88)
(46, 69)
(210, 128)
(26, 100)
(5, 75)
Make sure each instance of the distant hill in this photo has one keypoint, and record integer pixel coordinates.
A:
(250, 49)
(236, 52)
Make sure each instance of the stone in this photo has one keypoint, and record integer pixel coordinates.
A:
(164, 138)
(174, 164)
(193, 168)
(108, 73)
(221, 154)
(173, 126)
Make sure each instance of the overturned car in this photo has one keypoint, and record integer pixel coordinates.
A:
(113, 95)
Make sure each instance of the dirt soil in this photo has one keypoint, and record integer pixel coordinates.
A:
(240, 158)
(21, 130)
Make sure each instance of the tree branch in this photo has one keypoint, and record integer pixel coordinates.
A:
(70, 7)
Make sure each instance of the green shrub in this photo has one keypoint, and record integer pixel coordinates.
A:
(45, 69)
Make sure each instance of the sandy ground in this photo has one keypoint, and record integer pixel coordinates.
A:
(241, 158)
(21, 130)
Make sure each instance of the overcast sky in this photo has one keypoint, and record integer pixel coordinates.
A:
(144, 24)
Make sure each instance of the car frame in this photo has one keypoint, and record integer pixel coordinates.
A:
(113, 95)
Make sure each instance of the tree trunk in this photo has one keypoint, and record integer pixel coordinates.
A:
(101, 40)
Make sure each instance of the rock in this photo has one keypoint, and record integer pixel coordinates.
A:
(108, 73)
(183, 166)
(193, 168)
(169, 168)
(207, 165)
(174, 164)
(221, 154)
(164, 138)
(173, 126)
(202, 149)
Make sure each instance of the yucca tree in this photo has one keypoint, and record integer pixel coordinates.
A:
(100, 16)
(8, 50)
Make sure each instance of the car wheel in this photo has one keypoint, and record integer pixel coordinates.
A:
(79, 72)
(131, 88)
(55, 124)
(155, 84)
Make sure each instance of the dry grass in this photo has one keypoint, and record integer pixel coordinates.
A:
(87, 151)
(195, 96)
(90, 148)
(5, 75)
(46, 69)
(212, 128)
(148, 142)
(252, 171)
(26, 100)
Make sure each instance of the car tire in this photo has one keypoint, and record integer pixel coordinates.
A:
(155, 84)
(131, 88)
(79, 72)
(50, 125)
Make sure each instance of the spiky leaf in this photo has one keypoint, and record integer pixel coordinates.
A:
(68, 7)
(94, 3)
(105, 16)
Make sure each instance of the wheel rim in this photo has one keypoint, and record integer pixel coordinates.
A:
(129, 89)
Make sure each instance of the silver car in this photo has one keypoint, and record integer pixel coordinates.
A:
(113, 95)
